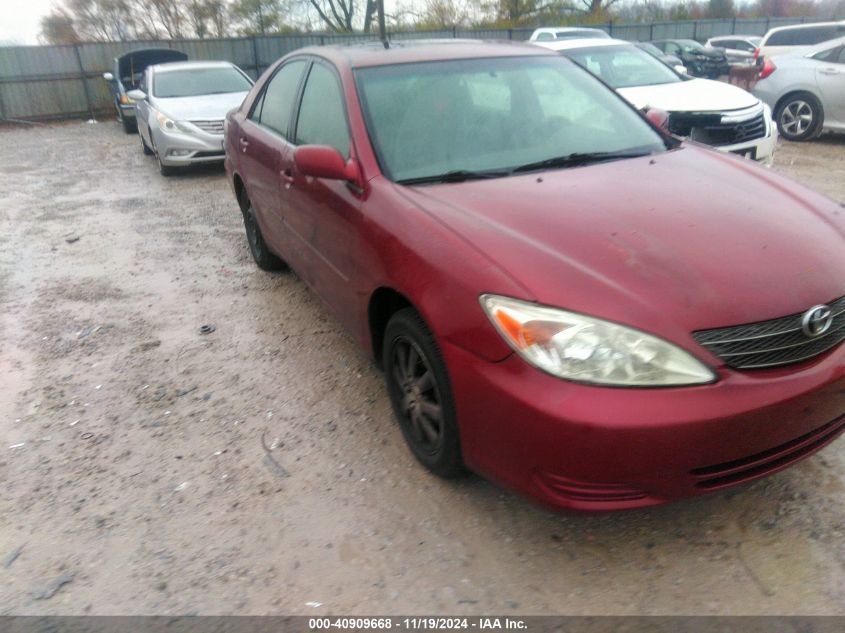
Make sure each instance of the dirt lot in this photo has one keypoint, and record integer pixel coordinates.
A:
(133, 465)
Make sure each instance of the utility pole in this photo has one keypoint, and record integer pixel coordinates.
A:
(382, 29)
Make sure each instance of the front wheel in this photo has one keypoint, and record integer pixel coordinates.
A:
(164, 170)
(420, 393)
(144, 147)
(799, 116)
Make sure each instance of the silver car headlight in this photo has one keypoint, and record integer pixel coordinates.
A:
(585, 349)
(169, 125)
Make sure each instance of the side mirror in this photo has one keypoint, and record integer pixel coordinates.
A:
(659, 118)
(136, 95)
(322, 161)
(108, 76)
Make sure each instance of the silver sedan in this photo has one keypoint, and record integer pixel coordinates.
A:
(806, 90)
(180, 109)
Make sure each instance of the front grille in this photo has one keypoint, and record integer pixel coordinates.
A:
(753, 466)
(774, 342)
(709, 129)
(212, 127)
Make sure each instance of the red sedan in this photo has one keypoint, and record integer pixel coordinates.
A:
(562, 298)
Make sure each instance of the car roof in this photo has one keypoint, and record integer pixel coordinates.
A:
(192, 65)
(566, 29)
(413, 51)
(809, 25)
(563, 45)
(735, 37)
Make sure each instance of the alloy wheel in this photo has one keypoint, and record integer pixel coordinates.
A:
(797, 117)
(420, 404)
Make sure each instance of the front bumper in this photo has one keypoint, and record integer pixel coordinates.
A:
(592, 448)
(180, 149)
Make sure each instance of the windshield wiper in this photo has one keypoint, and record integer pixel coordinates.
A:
(459, 175)
(578, 158)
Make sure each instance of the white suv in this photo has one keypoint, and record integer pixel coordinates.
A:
(789, 39)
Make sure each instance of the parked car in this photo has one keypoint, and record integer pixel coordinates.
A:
(739, 49)
(670, 60)
(562, 297)
(181, 108)
(709, 112)
(547, 34)
(700, 61)
(799, 37)
(806, 91)
(127, 73)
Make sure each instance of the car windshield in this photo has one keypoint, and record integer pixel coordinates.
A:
(623, 66)
(489, 117)
(193, 82)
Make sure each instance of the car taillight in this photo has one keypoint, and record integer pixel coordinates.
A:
(756, 52)
(768, 68)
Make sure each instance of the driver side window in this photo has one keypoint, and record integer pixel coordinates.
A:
(322, 115)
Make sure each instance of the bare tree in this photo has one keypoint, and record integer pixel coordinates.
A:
(258, 17)
(171, 15)
(57, 28)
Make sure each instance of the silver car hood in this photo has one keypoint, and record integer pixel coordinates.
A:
(202, 108)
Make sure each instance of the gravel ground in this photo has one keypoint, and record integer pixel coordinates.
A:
(148, 468)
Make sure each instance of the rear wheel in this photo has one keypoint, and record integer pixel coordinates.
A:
(262, 255)
(799, 116)
(421, 395)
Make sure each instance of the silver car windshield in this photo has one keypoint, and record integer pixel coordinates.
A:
(495, 116)
(624, 66)
(194, 82)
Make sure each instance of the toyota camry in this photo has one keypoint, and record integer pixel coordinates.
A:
(563, 298)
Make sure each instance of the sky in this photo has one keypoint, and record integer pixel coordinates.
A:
(21, 20)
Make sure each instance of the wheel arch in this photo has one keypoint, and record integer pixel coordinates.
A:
(240, 191)
(384, 303)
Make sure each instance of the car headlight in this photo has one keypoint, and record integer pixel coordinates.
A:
(168, 124)
(585, 349)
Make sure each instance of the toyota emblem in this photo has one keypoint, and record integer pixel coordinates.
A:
(817, 320)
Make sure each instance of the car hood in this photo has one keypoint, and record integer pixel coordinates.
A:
(690, 239)
(205, 107)
(693, 95)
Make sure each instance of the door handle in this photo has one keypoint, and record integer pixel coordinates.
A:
(828, 71)
(244, 143)
(287, 177)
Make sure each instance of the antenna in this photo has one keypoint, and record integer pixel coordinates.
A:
(382, 31)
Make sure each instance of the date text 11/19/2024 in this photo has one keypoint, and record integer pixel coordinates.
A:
(416, 623)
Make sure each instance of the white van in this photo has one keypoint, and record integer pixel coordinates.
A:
(788, 39)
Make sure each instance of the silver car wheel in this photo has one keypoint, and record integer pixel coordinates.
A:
(797, 117)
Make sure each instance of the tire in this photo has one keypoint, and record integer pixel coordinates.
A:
(421, 395)
(799, 116)
(261, 253)
(164, 170)
(144, 147)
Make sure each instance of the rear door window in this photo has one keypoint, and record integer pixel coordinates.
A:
(803, 36)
